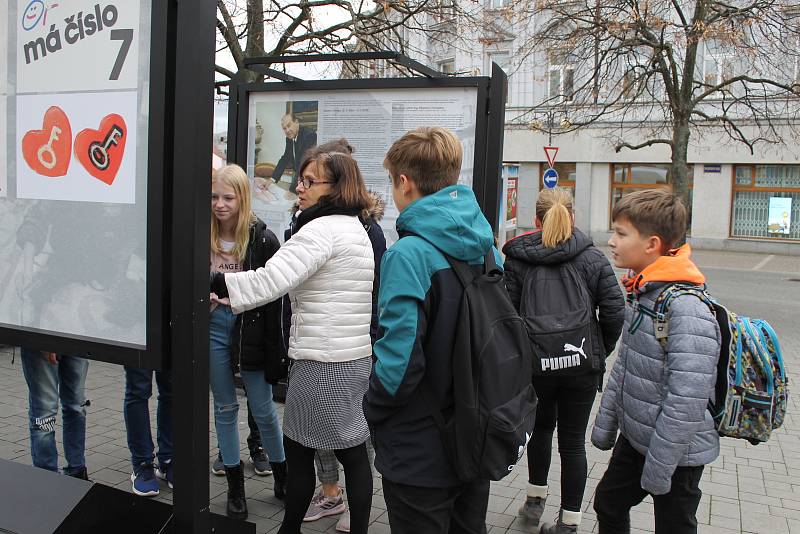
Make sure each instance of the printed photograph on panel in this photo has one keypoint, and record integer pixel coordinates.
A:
(283, 132)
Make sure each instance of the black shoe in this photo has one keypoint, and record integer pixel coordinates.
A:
(82, 474)
(279, 479)
(237, 504)
(260, 462)
(218, 468)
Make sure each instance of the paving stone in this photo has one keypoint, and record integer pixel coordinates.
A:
(748, 489)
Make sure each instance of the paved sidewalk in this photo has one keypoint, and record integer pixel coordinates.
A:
(747, 490)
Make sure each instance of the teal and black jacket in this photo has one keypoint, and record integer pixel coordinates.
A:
(418, 307)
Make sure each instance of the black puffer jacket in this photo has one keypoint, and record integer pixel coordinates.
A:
(526, 251)
(257, 342)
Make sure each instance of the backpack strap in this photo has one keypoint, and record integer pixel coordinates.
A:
(664, 300)
(660, 310)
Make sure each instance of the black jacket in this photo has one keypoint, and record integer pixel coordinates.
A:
(293, 154)
(257, 342)
(526, 251)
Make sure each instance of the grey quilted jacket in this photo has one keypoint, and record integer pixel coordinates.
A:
(658, 399)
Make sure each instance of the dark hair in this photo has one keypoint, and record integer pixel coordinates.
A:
(348, 188)
(654, 212)
(337, 145)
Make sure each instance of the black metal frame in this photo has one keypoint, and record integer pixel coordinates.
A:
(490, 113)
(153, 355)
(395, 57)
(178, 220)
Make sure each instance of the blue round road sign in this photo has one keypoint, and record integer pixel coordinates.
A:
(550, 178)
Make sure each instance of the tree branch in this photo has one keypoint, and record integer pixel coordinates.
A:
(651, 142)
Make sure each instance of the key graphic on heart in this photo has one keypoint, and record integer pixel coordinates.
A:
(48, 151)
(101, 151)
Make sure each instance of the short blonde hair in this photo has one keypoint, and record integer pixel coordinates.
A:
(235, 177)
(554, 210)
(430, 156)
(654, 212)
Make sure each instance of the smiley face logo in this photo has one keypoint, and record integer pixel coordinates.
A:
(33, 14)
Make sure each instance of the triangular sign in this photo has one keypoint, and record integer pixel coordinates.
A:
(550, 152)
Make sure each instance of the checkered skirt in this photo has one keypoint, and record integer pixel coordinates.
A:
(324, 407)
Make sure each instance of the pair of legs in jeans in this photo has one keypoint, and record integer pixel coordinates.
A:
(138, 390)
(565, 402)
(226, 404)
(620, 489)
(300, 485)
(51, 384)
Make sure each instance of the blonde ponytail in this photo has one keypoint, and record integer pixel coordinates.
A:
(554, 209)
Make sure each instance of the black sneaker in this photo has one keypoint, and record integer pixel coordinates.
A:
(218, 467)
(260, 462)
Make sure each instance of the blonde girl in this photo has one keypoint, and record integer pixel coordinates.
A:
(564, 400)
(249, 342)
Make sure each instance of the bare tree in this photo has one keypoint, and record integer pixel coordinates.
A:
(293, 27)
(665, 70)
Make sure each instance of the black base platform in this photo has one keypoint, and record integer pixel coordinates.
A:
(36, 501)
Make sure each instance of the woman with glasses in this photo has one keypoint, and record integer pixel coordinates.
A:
(328, 269)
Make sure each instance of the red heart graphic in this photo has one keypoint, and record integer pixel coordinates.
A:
(101, 151)
(48, 151)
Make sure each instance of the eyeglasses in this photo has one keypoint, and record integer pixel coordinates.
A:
(308, 182)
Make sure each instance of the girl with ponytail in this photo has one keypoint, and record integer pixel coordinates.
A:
(566, 398)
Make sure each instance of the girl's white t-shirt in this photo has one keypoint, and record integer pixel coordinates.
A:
(225, 262)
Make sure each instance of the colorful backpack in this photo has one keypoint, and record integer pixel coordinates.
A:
(751, 390)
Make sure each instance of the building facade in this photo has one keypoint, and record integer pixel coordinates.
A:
(739, 200)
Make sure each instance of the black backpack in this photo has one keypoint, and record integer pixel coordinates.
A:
(486, 432)
(559, 314)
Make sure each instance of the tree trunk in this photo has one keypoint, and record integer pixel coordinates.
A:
(680, 167)
(255, 35)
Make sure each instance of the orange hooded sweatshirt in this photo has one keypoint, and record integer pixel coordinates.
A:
(675, 266)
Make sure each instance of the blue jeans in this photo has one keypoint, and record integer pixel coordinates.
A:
(226, 405)
(47, 384)
(138, 390)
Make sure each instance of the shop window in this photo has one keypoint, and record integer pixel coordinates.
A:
(766, 202)
(629, 177)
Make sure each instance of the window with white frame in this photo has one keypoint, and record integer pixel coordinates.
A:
(377, 68)
(796, 73)
(633, 82)
(447, 66)
(497, 4)
(443, 11)
(718, 63)
(561, 77)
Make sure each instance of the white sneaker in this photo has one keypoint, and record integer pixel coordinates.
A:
(343, 525)
(323, 506)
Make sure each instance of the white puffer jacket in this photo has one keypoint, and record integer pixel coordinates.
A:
(327, 267)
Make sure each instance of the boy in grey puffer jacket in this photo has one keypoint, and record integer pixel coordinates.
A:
(657, 396)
